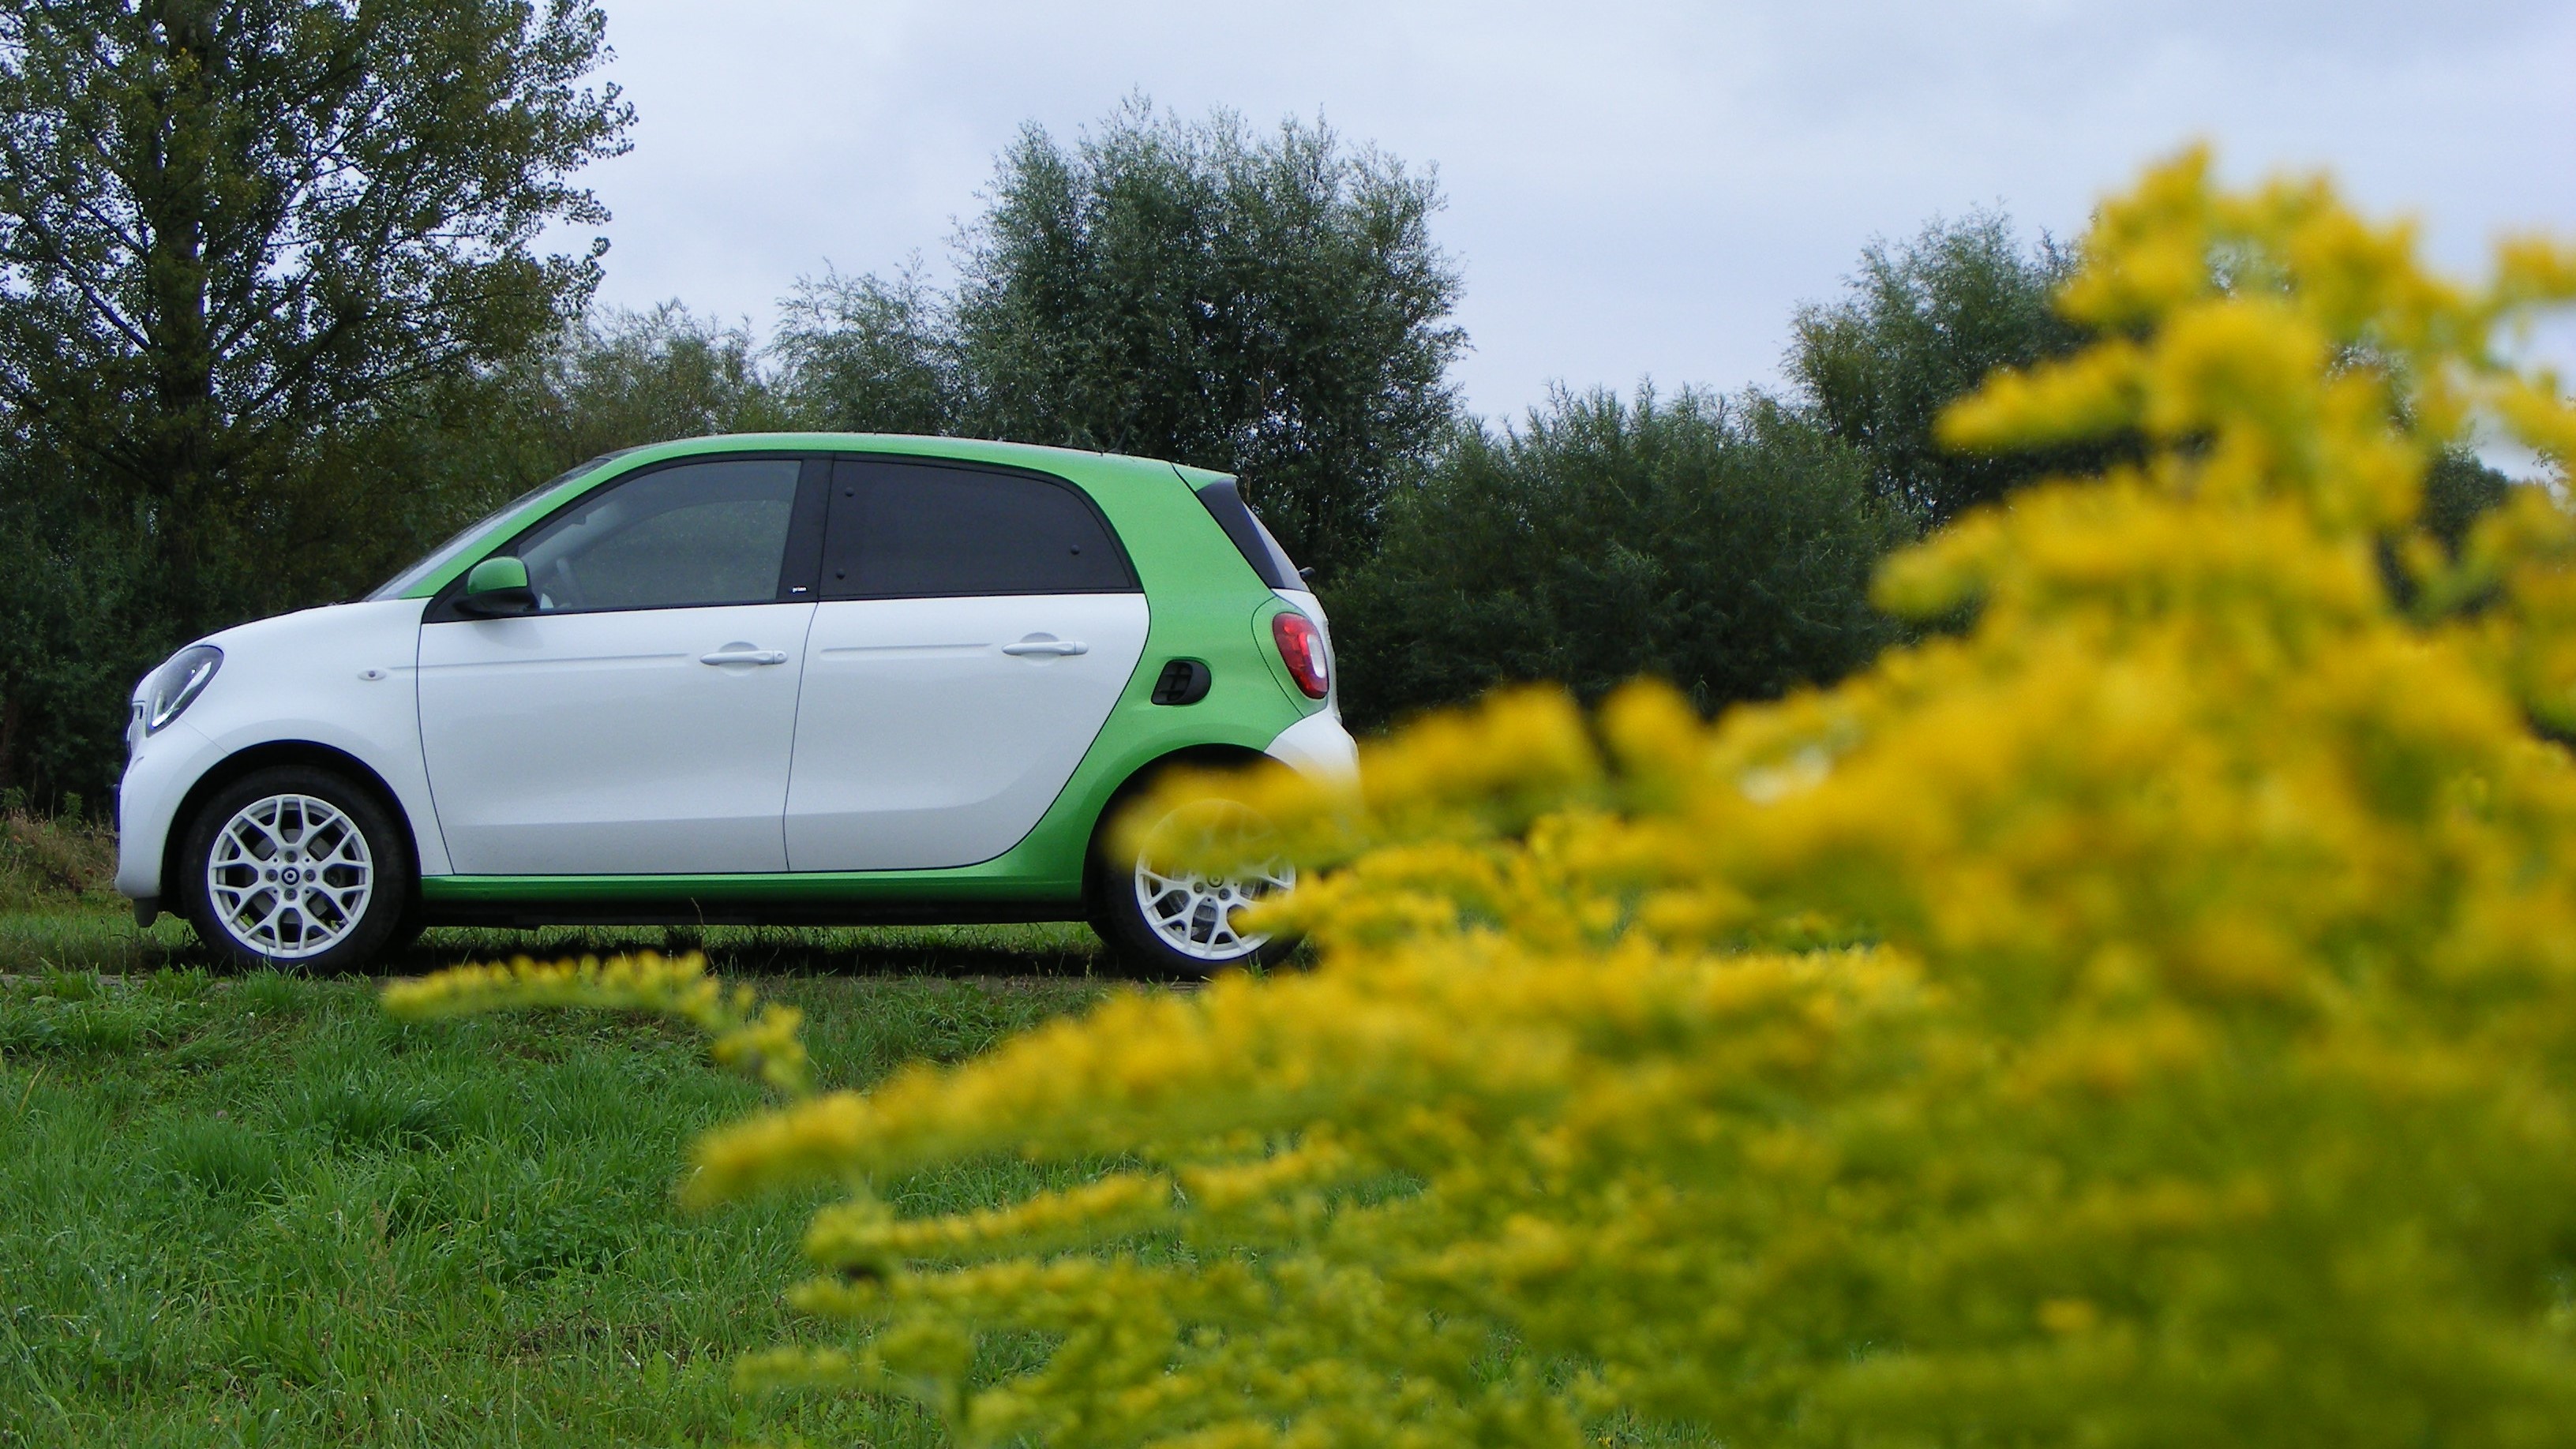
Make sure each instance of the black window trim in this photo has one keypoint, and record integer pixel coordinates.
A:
(1126, 561)
(812, 483)
(1223, 500)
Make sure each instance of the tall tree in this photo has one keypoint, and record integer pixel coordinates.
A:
(1267, 304)
(1918, 327)
(228, 226)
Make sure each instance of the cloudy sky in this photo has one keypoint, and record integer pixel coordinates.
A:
(1633, 189)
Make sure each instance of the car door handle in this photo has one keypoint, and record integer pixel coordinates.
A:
(744, 654)
(1046, 645)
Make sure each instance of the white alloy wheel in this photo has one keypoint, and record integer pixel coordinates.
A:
(289, 876)
(1191, 912)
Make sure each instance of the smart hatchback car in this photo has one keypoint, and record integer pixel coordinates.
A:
(783, 678)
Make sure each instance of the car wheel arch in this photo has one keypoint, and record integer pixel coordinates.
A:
(1138, 780)
(280, 752)
(1104, 883)
(1208, 756)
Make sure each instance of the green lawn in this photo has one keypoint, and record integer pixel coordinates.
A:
(252, 1210)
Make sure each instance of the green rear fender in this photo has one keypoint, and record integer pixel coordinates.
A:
(1249, 701)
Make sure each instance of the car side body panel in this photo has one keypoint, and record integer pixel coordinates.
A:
(932, 733)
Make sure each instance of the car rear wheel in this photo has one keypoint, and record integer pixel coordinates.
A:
(299, 867)
(1165, 918)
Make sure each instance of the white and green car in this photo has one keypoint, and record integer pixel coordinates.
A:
(772, 678)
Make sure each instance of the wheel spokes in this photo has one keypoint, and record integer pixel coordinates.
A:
(1196, 914)
(290, 876)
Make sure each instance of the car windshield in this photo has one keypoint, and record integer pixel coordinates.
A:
(475, 533)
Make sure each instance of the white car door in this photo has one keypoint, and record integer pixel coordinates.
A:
(977, 625)
(640, 720)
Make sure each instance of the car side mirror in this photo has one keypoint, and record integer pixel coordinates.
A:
(497, 587)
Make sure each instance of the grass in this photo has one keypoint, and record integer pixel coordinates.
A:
(249, 1209)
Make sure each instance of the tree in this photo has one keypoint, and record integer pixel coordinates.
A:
(227, 229)
(622, 379)
(1269, 306)
(1923, 324)
(439, 455)
(870, 355)
(2458, 490)
(1725, 547)
(1918, 328)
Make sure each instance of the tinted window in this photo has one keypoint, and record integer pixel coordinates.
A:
(914, 529)
(698, 533)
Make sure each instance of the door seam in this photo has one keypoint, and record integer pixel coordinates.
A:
(796, 731)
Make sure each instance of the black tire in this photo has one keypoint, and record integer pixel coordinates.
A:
(1141, 940)
(406, 931)
(333, 911)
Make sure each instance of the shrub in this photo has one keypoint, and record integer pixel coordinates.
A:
(53, 860)
(1726, 547)
(2145, 1016)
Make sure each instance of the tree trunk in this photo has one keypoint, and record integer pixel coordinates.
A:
(173, 176)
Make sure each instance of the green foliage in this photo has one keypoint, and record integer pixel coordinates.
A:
(2458, 490)
(619, 379)
(871, 355)
(1920, 325)
(1270, 306)
(609, 380)
(230, 233)
(227, 226)
(73, 586)
(1725, 547)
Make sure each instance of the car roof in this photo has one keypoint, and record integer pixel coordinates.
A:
(1103, 475)
(978, 450)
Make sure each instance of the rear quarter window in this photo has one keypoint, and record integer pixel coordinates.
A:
(1253, 541)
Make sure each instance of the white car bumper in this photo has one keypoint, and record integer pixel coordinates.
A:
(1318, 746)
(156, 780)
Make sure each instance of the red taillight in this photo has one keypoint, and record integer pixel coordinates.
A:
(1301, 648)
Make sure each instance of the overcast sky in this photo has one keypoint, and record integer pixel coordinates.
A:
(1633, 189)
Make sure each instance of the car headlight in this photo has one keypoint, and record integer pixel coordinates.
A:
(170, 689)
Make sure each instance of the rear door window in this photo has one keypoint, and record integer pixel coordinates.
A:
(901, 529)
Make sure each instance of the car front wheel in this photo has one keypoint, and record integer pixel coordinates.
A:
(297, 867)
(1167, 918)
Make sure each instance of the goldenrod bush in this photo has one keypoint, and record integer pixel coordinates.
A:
(2144, 1014)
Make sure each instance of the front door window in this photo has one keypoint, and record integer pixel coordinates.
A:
(684, 537)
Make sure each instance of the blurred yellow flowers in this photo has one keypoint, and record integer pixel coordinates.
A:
(758, 1040)
(2141, 1013)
